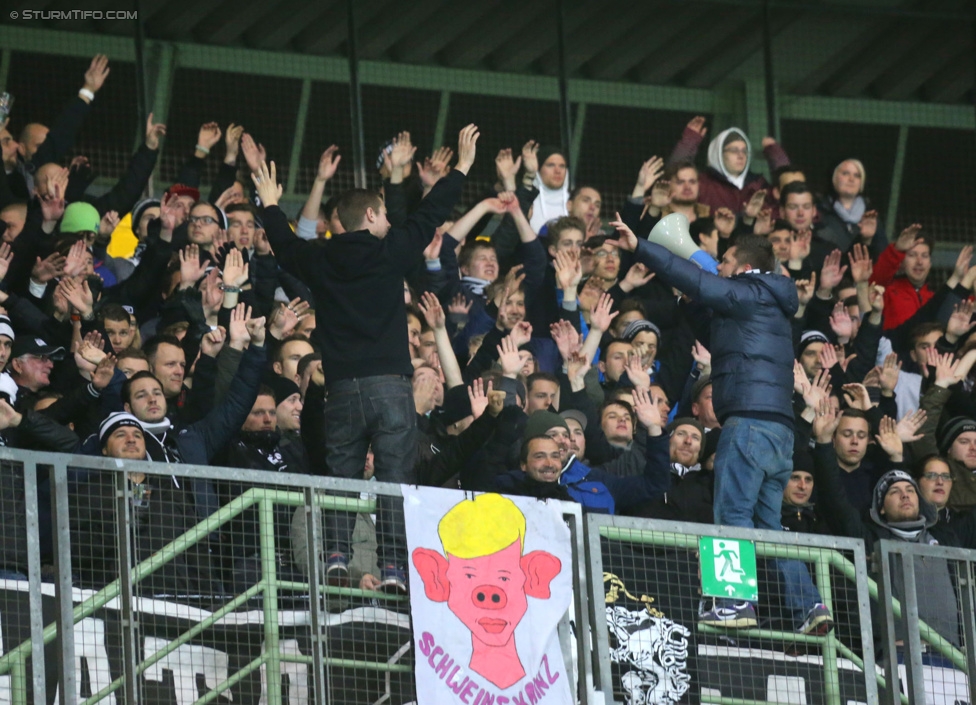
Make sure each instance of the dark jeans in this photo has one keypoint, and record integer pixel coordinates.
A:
(378, 413)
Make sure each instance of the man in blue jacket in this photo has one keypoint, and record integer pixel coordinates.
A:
(750, 339)
(549, 470)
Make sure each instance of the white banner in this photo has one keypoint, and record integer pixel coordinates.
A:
(490, 578)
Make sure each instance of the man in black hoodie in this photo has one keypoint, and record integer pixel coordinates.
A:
(356, 279)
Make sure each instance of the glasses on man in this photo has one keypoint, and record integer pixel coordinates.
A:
(603, 254)
(205, 219)
(936, 476)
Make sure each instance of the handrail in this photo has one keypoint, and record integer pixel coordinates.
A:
(14, 661)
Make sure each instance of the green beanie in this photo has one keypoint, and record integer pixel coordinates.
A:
(80, 217)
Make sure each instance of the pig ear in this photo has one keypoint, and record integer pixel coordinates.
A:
(432, 567)
(540, 568)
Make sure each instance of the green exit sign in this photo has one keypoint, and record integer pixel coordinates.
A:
(728, 568)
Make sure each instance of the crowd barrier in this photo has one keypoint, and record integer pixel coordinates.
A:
(292, 636)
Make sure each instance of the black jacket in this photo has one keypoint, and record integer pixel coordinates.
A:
(165, 513)
(357, 282)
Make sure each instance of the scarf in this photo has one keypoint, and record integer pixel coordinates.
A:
(475, 286)
(682, 470)
(854, 215)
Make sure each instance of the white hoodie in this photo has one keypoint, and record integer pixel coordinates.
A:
(715, 160)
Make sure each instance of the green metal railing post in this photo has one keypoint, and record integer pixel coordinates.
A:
(829, 652)
(269, 579)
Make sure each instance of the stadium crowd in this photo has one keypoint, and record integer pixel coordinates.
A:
(531, 344)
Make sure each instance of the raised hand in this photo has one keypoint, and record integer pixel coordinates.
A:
(946, 368)
(285, 318)
(764, 223)
(908, 238)
(232, 142)
(869, 225)
(647, 412)
(889, 440)
(48, 268)
(104, 371)
(960, 322)
(254, 154)
(154, 130)
(478, 396)
(435, 167)
(403, 151)
(508, 357)
(569, 270)
(805, 289)
(755, 204)
(661, 194)
(909, 424)
(171, 213)
(800, 247)
(521, 333)
(697, 124)
(637, 276)
(467, 144)
(961, 268)
(237, 330)
(77, 259)
(266, 182)
(108, 223)
(191, 268)
(530, 158)
(507, 168)
(568, 340)
(79, 295)
(825, 422)
(817, 391)
(702, 358)
(724, 220)
(53, 205)
(6, 257)
(636, 372)
(602, 314)
(209, 135)
(576, 368)
(255, 329)
(212, 343)
(460, 305)
(876, 298)
(97, 72)
(328, 163)
(235, 271)
(626, 240)
(890, 371)
(861, 265)
(649, 173)
(857, 396)
(841, 323)
(431, 307)
(831, 273)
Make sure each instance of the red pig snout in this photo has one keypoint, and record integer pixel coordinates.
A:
(489, 597)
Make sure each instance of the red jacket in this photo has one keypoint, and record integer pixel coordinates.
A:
(901, 297)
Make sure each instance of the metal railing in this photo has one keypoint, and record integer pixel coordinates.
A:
(837, 565)
(314, 494)
(823, 552)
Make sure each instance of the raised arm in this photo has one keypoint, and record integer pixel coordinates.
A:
(328, 163)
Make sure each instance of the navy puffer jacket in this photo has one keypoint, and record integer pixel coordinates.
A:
(751, 339)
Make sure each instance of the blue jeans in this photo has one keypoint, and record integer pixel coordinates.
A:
(375, 412)
(753, 463)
